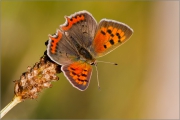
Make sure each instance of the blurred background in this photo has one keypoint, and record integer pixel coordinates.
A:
(144, 85)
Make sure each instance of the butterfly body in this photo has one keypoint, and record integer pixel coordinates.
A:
(80, 41)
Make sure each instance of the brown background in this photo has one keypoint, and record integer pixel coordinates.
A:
(145, 84)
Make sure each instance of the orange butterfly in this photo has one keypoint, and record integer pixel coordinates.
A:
(80, 41)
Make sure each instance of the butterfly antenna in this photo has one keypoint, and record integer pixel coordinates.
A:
(107, 62)
(97, 75)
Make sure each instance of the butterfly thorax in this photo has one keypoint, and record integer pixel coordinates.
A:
(85, 54)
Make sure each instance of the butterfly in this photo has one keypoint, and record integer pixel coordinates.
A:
(80, 41)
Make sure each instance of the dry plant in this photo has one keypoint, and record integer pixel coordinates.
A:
(33, 81)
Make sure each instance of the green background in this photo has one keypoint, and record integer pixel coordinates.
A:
(144, 85)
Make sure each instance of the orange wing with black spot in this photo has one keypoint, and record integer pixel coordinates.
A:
(78, 73)
(110, 34)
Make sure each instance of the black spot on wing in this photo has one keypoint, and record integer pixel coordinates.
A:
(118, 35)
(111, 42)
(112, 35)
(103, 32)
(109, 31)
(84, 75)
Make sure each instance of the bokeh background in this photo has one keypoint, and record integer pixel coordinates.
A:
(145, 84)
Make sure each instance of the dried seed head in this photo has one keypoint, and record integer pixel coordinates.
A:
(36, 78)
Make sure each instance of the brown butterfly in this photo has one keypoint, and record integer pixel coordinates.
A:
(80, 41)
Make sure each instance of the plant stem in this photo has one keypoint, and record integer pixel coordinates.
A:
(14, 102)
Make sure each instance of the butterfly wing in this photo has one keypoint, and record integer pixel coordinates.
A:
(110, 34)
(80, 28)
(78, 73)
(60, 51)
